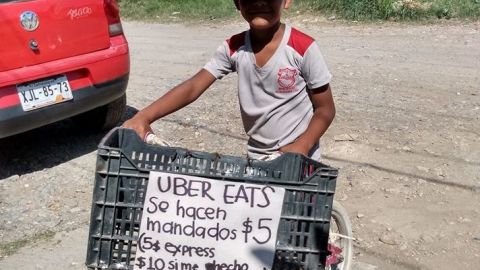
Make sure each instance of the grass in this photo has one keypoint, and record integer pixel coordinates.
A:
(403, 10)
(171, 10)
(7, 249)
(397, 9)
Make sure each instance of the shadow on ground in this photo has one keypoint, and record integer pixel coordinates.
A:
(48, 146)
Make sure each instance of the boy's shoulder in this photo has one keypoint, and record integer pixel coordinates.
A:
(236, 41)
(299, 41)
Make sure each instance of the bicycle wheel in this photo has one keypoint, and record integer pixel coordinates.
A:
(340, 242)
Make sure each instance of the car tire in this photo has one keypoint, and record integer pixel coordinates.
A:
(104, 117)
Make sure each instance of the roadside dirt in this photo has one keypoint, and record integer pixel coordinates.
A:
(406, 139)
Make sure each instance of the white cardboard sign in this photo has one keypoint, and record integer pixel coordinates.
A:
(194, 223)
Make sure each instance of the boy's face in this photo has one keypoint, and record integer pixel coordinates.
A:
(262, 14)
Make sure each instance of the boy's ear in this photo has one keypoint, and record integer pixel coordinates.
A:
(287, 4)
(237, 4)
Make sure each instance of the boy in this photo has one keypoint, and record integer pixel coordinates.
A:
(283, 84)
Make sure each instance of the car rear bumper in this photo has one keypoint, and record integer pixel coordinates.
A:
(14, 120)
(81, 71)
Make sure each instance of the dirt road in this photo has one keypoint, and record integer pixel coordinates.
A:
(406, 139)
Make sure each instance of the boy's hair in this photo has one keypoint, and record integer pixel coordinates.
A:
(237, 4)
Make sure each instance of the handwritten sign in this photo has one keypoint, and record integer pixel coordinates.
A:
(193, 223)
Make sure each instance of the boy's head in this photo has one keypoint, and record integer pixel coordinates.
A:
(262, 14)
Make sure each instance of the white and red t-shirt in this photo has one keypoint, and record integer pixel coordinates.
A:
(274, 101)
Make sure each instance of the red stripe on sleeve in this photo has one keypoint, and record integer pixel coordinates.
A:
(299, 41)
(235, 42)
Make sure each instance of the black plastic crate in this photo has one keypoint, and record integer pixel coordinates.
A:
(121, 177)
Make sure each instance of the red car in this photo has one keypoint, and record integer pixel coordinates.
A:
(59, 59)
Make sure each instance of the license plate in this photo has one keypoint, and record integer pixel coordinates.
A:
(44, 93)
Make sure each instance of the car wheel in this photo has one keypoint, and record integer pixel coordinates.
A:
(104, 117)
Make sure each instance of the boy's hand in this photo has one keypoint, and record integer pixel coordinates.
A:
(139, 124)
(296, 147)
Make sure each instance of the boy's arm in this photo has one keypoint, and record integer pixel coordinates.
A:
(175, 99)
(324, 112)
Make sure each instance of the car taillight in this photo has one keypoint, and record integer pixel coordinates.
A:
(113, 16)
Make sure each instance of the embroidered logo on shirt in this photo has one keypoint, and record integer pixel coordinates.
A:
(286, 80)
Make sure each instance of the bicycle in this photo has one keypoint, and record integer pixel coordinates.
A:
(344, 236)
(340, 235)
(124, 163)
